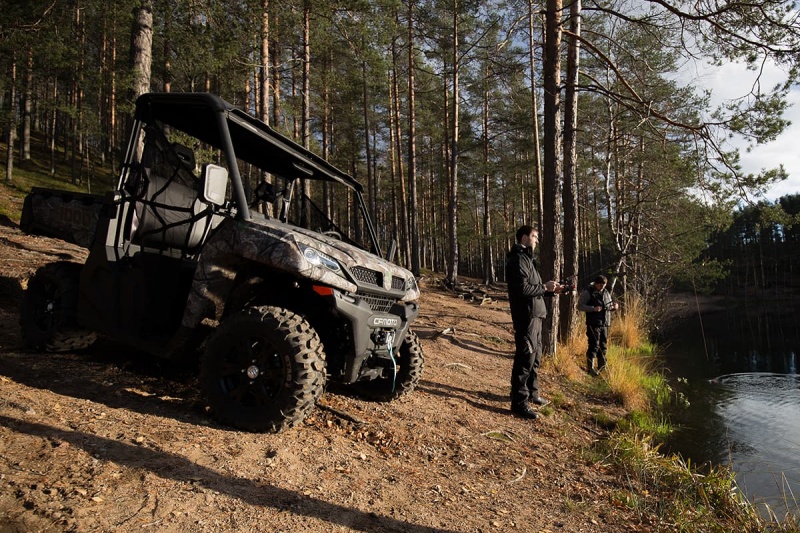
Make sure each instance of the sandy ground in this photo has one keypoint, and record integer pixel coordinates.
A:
(112, 440)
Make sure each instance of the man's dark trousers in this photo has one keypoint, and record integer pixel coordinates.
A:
(527, 358)
(598, 338)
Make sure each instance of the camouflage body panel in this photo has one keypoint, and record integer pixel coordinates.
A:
(277, 246)
(65, 215)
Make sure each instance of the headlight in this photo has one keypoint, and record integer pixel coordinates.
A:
(317, 258)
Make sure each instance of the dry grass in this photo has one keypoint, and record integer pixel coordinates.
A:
(628, 366)
(569, 356)
(628, 326)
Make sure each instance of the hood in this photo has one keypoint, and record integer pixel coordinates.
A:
(519, 249)
(362, 268)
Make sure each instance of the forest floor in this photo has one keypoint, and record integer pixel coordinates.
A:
(110, 440)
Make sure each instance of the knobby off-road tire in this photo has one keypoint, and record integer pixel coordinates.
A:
(263, 369)
(410, 361)
(48, 316)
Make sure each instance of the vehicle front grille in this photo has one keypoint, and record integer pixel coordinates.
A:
(366, 275)
(398, 284)
(379, 304)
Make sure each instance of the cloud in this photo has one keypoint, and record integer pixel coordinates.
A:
(782, 151)
(734, 80)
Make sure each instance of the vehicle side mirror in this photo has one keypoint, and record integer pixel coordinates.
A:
(390, 253)
(214, 183)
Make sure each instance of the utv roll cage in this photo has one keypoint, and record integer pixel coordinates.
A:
(222, 126)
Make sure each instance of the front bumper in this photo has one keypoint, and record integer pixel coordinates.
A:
(374, 321)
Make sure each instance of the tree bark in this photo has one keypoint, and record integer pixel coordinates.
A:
(550, 232)
(452, 210)
(570, 192)
(413, 223)
(488, 260)
(306, 184)
(405, 248)
(12, 120)
(372, 193)
(168, 47)
(277, 113)
(27, 108)
(142, 47)
(264, 77)
(537, 149)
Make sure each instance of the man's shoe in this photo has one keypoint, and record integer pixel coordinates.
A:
(538, 400)
(525, 411)
(591, 371)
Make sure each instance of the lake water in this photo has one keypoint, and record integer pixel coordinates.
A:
(742, 382)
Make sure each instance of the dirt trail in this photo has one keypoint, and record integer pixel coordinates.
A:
(112, 440)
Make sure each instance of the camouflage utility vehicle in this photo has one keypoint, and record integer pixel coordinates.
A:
(182, 263)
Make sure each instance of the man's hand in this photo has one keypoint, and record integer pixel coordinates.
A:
(598, 308)
(552, 286)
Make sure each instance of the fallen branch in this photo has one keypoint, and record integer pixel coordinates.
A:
(459, 365)
(519, 477)
(342, 414)
(445, 331)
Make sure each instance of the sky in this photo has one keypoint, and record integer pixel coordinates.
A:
(734, 80)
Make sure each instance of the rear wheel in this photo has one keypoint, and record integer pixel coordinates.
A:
(410, 361)
(263, 369)
(48, 317)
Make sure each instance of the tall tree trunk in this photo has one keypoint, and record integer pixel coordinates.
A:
(570, 193)
(306, 184)
(112, 96)
(413, 223)
(537, 149)
(372, 193)
(27, 107)
(83, 134)
(393, 155)
(142, 47)
(102, 97)
(12, 120)
(550, 232)
(405, 247)
(452, 267)
(264, 78)
(488, 260)
(52, 126)
(167, 47)
(277, 113)
(327, 201)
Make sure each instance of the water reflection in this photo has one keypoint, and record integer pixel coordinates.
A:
(760, 414)
(745, 399)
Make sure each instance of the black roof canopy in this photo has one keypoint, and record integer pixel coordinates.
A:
(198, 114)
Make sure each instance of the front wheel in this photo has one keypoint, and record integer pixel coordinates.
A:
(263, 369)
(48, 316)
(410, 361)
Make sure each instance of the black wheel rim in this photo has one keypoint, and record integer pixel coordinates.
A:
(252, 371)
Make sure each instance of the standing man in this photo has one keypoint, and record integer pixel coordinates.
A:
(597, 304)
(525, 294)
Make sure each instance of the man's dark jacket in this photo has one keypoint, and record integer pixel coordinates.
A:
(525, 289)
(592, 298)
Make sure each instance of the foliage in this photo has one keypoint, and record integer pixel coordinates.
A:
(650, 143)
(760, 247)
